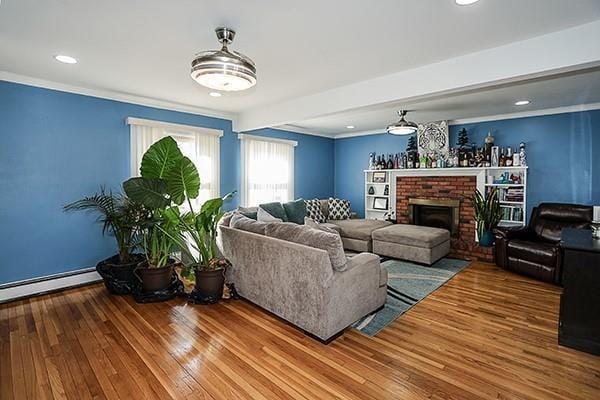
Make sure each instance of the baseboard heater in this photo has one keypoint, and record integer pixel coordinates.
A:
(51, 283)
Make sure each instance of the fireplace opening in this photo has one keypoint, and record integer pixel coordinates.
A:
(435, 213)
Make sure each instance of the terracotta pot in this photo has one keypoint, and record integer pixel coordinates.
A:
(155, 279)
(209, 285)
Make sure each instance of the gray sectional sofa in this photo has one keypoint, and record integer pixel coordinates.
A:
(302, 275)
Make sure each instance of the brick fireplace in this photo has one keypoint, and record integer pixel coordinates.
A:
(444, 189)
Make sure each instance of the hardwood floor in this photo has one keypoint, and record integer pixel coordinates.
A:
(486, 334)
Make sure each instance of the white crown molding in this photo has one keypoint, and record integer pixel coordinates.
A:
(114, 95)
(359, 133)
(497, 117)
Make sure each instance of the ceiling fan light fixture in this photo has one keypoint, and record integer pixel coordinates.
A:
(402, 127)
(224, 70)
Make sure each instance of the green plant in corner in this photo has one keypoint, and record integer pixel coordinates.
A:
(119, 216)
(487, 214)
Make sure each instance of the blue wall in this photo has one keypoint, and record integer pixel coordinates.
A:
(57, 147)
(563, 154)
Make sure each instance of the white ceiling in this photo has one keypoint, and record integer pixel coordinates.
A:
(144, 47)
(565, 90)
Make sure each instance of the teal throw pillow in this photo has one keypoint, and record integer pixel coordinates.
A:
(295, 211)
(276, 210)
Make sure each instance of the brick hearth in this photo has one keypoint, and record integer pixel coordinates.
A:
(449, 188)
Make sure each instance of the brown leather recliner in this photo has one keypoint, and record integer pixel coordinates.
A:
(534, 250)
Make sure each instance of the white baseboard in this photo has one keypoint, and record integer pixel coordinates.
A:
(48, 284)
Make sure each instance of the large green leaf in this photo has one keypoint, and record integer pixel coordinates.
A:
(160, 158)
(183, 181)
(151, 193)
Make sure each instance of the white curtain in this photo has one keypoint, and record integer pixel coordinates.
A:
(267, 170)
(199, 145)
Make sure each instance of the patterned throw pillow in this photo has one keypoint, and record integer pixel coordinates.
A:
(339, 209)
(313, 210)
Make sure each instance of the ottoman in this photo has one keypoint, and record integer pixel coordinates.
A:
(420, 244)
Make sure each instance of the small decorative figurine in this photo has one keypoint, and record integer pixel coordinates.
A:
(522, 155)
(386, 191)
(371, 190)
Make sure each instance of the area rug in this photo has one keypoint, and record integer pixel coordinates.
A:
(408, 283)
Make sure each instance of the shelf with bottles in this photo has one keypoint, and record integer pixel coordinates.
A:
(512, 214)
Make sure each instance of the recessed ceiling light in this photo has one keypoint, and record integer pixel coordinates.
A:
(215, 94)
(350, 127)
(522, 102)
(65, 59)
(465, 2)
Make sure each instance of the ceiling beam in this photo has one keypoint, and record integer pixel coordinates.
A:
(563, 51)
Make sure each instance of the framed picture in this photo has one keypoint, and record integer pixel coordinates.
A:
(433, 138)
(380, 203)
(379, 177)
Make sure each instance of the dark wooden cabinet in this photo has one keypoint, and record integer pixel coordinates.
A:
(579, 323)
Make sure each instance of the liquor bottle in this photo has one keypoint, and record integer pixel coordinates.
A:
(390, 163)
(371, 160)
(502, 160)
(404, 161)
(378, 163)
(489, 143)
(396, 161)
(410, 161)
(508, 161)
(516, 159)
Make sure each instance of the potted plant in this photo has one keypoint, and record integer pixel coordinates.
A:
(168, 180)
(487, 215)
(121, 218)
(162, 236)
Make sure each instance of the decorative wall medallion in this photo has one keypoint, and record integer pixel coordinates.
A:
(432, 137)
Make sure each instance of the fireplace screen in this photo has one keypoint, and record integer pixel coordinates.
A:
(435, 213)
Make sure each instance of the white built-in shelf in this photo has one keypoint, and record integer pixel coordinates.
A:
(516, 203)
(505, 184)
(447, 169)
(377, 183)
(375, 210)
(378, 195)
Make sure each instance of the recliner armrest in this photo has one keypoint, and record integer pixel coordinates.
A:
(512, 233)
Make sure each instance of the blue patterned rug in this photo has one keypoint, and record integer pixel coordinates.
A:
(408, 283)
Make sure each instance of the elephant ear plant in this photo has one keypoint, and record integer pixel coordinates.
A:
(168, 180)
(487, 215)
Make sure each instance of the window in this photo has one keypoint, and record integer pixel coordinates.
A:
(201, 145)
(267, 169)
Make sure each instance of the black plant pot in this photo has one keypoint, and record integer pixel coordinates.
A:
(118, 278)
(209, 286)
(155, 279)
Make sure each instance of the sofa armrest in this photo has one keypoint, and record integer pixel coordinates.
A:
(361, 259)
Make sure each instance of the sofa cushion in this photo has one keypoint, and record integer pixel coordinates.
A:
(359, 228)
(275, 209)
(295, 211)
(264, 216)
(240, 221)
(537, 252)
(302, 234)
(250, 212)
(412, 235)
(314, 210)
(339, 209)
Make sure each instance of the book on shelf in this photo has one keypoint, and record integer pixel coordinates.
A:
(511, 213)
